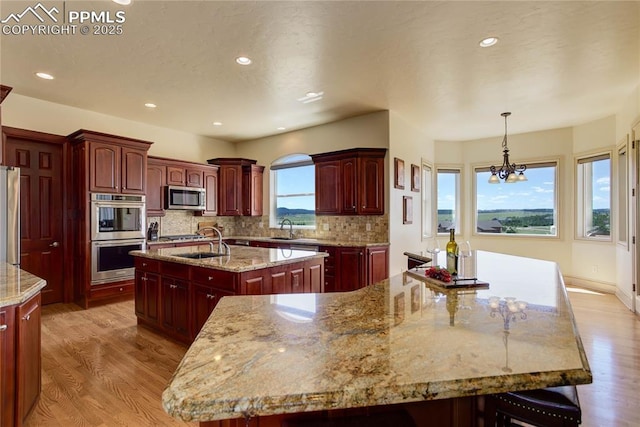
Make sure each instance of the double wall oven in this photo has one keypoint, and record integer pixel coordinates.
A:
(117, 227)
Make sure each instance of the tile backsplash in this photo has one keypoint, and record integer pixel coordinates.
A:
(370, 228)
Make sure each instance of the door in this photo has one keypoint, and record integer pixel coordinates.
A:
(41, 206)
(104, 168)
(634, 205)
(134, 172)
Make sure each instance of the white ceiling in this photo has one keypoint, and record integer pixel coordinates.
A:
(557, 64)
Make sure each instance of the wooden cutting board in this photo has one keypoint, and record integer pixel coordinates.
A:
(209, 233)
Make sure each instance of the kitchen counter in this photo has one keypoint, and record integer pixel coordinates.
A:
(309, 241)
(242, 258)
(398, 341)
(17, 286)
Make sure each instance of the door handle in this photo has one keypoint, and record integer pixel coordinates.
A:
(54, 245)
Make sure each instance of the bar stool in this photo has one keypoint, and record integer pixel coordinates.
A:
(546, 407)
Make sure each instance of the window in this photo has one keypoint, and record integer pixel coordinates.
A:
(427, 205)
(521, 208)
(448, 192)
(293, 191)
(593, 178)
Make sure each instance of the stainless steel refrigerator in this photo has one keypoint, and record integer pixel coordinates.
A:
(10, 215)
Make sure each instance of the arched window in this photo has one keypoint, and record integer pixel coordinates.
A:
(293, 191)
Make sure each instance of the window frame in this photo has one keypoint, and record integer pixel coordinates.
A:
(580, 199)
(622, 192)
(427, 191)
(458, 223)
(531, 164)
(273, 186)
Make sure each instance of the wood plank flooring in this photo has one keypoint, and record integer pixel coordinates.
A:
(100, 369)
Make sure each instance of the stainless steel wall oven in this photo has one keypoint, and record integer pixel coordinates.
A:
(110, 260)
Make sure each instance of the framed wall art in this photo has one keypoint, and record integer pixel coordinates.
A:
(407, 210)
(415, 178)
(398, 177)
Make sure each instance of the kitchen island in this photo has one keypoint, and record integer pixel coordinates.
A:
(388, 345)
(177, 288)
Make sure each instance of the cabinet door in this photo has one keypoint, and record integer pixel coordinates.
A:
(147, 294)
(176, 176)
(7, 366)
(315, 283)
(134, 171)
(230, 197)
(352, 274)
(377, 264)
(328, 188)
(349, 187)
(252, 190)
(204, 300)
(331, 278)
(175, 313)
(371, 186)
(156, 180)
(211, 188)
(104, 167)
(194, 177)
(28, 356)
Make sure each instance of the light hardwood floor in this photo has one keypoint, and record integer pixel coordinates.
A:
(100, 369)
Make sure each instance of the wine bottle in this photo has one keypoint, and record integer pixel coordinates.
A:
(452, 253)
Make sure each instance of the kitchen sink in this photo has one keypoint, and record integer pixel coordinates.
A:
(199, 255)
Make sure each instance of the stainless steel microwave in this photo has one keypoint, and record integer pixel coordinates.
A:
(191, 198)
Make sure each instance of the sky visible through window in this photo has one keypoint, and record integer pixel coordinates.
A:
(300, 180)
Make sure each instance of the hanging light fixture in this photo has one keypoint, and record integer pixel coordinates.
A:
(508, 170)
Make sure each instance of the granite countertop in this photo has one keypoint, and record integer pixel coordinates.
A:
(242, 258)
(17, 286)
(309, 241)
(393, 342)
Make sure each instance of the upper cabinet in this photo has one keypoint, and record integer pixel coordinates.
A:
(162, 172)
(113, 164)
(4, 91)
(240, 187)
(350, 182)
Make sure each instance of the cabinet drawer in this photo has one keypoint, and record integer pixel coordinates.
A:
(147, 264)
(112, 290)
(181, 271)
(219, 279)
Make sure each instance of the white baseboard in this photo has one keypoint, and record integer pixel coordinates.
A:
(605, 287)
(626, 299)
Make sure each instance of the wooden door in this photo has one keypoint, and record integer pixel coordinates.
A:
(194, 177)
(211, 188)
(371, 191)
(104, 167)
(41, 208)
(377, 264)
(328, 187)
(156, 180)
(176, 176)
(28, 357)
(349, 186)
(351, 269)
(134, 171)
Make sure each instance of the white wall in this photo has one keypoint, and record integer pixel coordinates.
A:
(34, 114)
(369, 130)
(411, 145)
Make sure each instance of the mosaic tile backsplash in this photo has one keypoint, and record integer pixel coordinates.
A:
(373, 228)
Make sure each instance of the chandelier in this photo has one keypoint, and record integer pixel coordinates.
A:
(508, 170)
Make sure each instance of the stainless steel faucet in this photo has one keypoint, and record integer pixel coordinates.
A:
(223, 248)
(290, 226)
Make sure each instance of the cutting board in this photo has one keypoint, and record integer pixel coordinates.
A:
(209, 233)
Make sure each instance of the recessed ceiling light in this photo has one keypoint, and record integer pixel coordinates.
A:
(150, 105)
(281, 128)
(217, 123)
(122, 2)
(45, 76)
(311, 97)
(489, 41)
(243, 60)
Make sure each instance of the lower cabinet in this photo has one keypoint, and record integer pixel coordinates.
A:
(20, 360)
(349, 268)
(177, 299)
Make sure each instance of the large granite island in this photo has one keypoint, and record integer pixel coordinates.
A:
(403, 340)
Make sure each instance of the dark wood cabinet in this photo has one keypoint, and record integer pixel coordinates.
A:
(147, 291)
(156, 181)
(204, 300)
(116, 169)
(349, 268)
(175, 306)
(350, 182)
(211, 184)
(4, 91)
(240, 189)
(185, 174)
(377, 264)
(7, 366)
(352, 268)
(20, 360)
